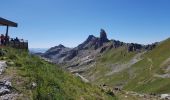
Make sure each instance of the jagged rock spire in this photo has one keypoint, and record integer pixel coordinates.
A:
(103, 37)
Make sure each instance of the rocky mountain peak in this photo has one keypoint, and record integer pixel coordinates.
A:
(61, 46)
(90, 48)
(88, 43)
(90, 37)
(103, 37)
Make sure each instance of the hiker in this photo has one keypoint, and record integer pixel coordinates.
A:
(16, 39)
(2, 39)
(7, 40)
(12, 40)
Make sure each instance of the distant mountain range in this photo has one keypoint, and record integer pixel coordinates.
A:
(91, 47)
(132, 66)
(38, 50)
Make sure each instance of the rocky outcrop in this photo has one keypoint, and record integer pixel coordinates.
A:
(117, 43)
(103, 37)
(62, 54)
(3, 66)
(138, 47)
(5, 87)
(55, 50)
(92, 47)
(134, 47)
(151, 46)
(71, 54)
(57, 53)
(7, 91)
(93, 42)
(90, 43)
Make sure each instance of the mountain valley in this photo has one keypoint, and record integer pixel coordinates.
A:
(130, 66)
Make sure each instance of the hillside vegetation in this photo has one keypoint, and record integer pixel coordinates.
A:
(149, 74)
(107, 63)
(52, 83)
(131, 67)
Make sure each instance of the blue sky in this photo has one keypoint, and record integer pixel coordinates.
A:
(46, 23)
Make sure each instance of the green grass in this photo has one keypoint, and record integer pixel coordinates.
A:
(140, 76)
(52, 82)
(102, 67)
(116, 55)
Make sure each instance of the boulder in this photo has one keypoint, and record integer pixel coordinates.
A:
(4, 90)
(7, 83)
(5, 87)
(165, 96)
(3, 66)
(33, 85)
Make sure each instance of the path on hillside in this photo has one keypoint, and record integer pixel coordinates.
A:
(151, 64)
(131, 95)
(123, 94)
(166, 67)
(6, 89)
(120, 67)
(82, 78)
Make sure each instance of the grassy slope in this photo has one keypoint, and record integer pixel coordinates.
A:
(119, 55)
(140, 77)
(144, 80)
(52, 82)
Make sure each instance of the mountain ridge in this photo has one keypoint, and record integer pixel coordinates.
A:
(92, 43)
(131, 66)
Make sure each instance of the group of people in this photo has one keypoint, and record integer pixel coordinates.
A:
(15, 40)
(6, 39)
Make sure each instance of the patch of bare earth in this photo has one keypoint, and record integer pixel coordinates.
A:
(11, 84)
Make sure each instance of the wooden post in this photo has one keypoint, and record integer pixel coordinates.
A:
(7, 31)
(6, 35)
